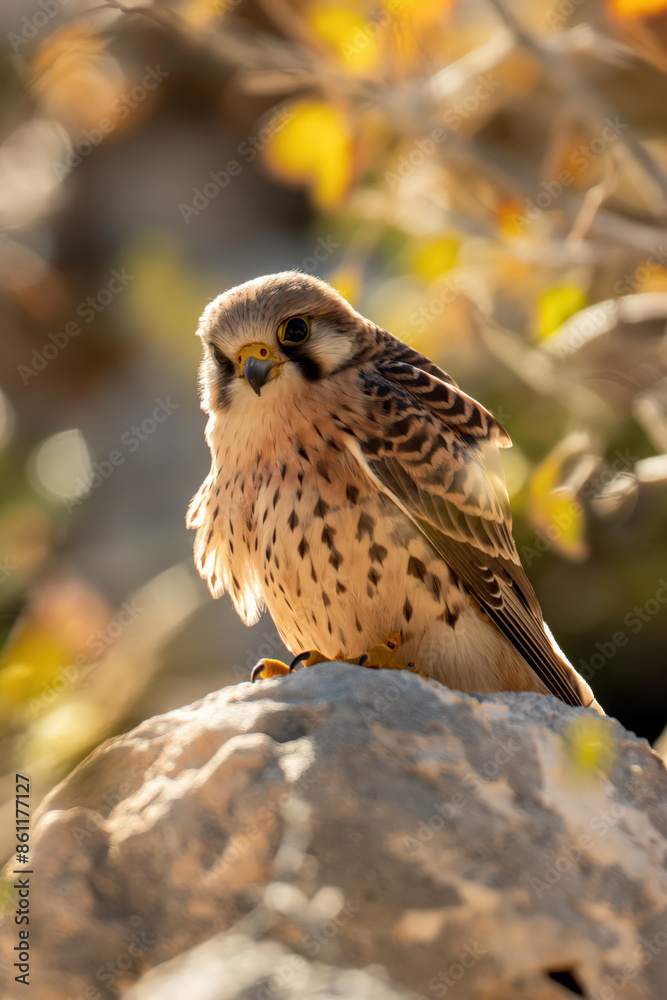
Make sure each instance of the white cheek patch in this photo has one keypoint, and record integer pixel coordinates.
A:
(328, 347)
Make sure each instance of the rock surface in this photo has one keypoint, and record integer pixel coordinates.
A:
(359, 833)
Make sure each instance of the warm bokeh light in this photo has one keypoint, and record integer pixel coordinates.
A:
(495, 198)
(61, 465)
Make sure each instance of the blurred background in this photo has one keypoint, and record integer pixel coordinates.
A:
(487, 180)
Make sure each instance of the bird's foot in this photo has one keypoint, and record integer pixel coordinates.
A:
(383, 656)
(266, 669)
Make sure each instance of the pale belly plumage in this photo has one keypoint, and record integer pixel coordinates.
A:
(340, 568)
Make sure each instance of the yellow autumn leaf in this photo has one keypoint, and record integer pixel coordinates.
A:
(421, 12)
(31, 661)
(362, 41)
(555, 305)
(431, 258)
(314, 147)
(413, 31)
(555, 511)
(631, 10)
(350, 37)
(17, 682)
(591, 746)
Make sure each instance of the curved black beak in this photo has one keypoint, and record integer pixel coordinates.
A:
(257, 372)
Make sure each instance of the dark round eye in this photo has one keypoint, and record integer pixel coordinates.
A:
(294, 330)
(218, 355)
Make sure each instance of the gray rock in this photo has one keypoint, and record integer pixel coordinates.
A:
(232, 965)
(418, 840)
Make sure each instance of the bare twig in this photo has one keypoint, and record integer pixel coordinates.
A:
(593, 201)
(565, 76)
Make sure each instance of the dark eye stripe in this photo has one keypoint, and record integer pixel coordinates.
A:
(309, 368)
(223, 364)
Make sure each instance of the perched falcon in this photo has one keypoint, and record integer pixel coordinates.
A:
(358, 494)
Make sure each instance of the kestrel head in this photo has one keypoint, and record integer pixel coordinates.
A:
(271, 335)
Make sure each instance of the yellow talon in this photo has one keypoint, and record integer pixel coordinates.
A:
(316, 657)
(266, 669)
(382, 656)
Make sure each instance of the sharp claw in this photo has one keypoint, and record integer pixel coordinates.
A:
(267, 669)
(383, 655)
(256, 674)
(299, 658)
